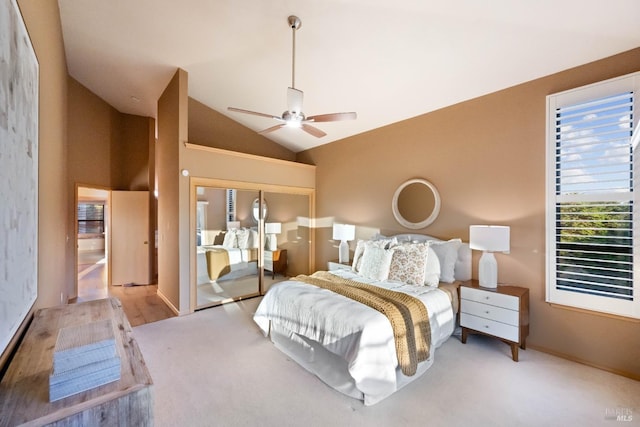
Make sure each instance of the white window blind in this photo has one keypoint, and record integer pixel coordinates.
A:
(591, 214)
(231, 204)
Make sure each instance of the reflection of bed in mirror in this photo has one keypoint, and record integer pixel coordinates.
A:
(227, 270)
(236, 257)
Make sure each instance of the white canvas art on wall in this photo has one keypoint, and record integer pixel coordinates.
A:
(18, 172)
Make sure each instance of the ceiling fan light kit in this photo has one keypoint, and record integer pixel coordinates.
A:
(293, 116)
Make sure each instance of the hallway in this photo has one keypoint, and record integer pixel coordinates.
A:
(141, 303)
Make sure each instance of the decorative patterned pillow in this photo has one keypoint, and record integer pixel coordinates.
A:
(376, 262)
(447, 255)
(408, 263)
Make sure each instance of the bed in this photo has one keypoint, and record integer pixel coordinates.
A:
(235, 257)
(351, 346)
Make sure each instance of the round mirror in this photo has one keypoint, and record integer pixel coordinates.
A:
(416, 203)
(255, 209)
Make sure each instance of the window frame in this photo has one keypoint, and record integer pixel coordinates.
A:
(603, 304)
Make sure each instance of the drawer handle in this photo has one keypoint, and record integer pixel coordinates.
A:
(486, 326)
(487, 298)
(487, 312)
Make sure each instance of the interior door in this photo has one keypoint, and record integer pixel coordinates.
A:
(130, 254)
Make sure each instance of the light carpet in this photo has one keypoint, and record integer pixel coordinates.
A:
(215, 368)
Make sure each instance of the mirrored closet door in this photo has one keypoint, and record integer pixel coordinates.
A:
(287, 237)
(228, 245)
(247, 237)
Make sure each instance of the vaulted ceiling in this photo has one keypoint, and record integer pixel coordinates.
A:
(386, 60)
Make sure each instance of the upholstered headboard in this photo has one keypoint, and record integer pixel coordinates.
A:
(462, 269)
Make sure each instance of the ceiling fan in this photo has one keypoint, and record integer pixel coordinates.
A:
(293, 116)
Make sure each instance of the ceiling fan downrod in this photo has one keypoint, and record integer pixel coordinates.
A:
(295, 23)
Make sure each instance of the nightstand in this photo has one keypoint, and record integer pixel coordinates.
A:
(275, 261)
(335, 265)
(502, 312)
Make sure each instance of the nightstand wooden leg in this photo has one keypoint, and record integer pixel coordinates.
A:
(464, 335)
(524, 344)
(514, 352)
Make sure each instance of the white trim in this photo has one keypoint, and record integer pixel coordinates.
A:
(628, 83)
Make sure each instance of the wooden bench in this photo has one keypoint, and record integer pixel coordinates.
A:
(24, 390)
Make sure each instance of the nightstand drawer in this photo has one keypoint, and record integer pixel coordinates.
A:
(491, 327)
(491, 312)
(490, 297)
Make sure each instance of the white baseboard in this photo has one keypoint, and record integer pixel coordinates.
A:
(169, 303)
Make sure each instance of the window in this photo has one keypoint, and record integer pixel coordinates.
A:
(231, 204)
(592, 212)
(90, 218)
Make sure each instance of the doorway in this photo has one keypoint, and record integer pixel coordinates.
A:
(92, 248)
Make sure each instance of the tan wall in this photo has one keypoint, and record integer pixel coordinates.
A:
(210, 128)
(487, 159)
(130, 154)
(55, 244)
(107, 148)
(170, 138)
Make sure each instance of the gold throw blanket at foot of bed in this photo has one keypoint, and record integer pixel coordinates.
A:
(407, 314)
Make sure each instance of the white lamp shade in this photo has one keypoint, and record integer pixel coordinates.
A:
(344, 232)
(273, 228)
(233, 224)
(489, 238)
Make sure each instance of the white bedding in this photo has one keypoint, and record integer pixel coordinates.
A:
(240, 261)
(357, 334)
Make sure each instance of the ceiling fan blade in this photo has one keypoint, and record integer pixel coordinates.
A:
(240, 110)
(294, 100)
(313, 131)
(333, 117)
(271, 129)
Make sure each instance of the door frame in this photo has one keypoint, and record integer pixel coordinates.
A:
(107, 228)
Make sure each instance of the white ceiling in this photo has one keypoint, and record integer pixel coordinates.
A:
(386, 60)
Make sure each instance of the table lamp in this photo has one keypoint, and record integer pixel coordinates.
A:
(489, 239)
(271, 229)
(344, 233)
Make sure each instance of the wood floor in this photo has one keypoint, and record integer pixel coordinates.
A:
(141, 304)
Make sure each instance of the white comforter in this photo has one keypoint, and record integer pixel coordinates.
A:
(360, 335)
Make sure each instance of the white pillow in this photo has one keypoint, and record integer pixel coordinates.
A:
(230, 239)
(357, 254)
(447, 253)
(376, 262)
(385, 243)
(243, 238)
(408, 263)
(253, 239)
(431, 268)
